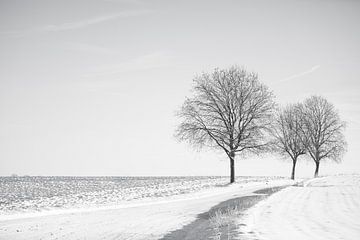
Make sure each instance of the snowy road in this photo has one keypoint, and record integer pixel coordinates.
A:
(325, 208)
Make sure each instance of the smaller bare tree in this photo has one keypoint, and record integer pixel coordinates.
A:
(288, 139)
(323, 131)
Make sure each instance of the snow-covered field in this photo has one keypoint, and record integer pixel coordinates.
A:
(323, 209)
(146, 219)
(19, 195)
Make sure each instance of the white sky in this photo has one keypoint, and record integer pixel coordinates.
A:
(91, 87)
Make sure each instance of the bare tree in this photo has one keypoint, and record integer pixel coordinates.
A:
(230, 110)
(323, 130)
(288, 139)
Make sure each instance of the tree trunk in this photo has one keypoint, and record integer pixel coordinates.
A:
(316, 174)
(293, 170)
(232, 167)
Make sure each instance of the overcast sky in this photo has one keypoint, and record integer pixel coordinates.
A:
(91, 87)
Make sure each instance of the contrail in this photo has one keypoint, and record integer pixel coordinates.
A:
(313, 69)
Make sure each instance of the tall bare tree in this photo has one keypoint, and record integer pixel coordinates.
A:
(230, 110)
(288, 139)
(323, 129)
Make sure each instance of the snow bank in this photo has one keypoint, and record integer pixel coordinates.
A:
(325, 208)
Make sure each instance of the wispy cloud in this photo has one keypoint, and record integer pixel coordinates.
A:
(144, 62)
(313, 69)
(74, 25)
(90, 48)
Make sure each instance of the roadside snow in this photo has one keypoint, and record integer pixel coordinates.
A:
(323, 208)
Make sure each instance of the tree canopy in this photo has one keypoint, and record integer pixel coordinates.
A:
(230, 109)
